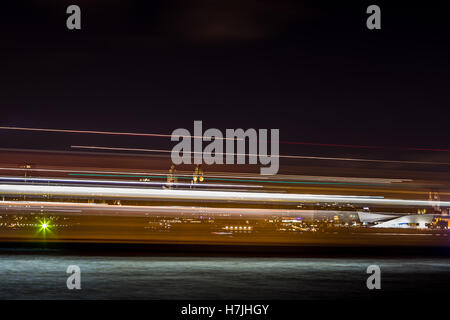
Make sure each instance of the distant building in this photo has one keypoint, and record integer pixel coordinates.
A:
(408, 221)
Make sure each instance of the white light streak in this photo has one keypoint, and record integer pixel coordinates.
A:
(202, 195)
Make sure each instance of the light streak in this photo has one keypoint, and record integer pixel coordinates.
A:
(219, 138)
(363, 146)
(261, 179)
(129, 210)
(122, 182)
(202, 195)
(279, 156)
(238, 180)
(131, 134)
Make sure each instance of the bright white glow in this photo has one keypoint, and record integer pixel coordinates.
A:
(201, 195)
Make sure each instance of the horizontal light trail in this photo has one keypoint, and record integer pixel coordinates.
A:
(115, 133)
(219, 138)
(363, 146)
(186, 211)
(202, 195)
(212, 174)
(145, 210)
(162, 135)
(122, 182)
(279, 156)
(315, 178)
(234, 179)
(384, 190)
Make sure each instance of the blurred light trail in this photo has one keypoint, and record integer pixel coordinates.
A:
(363, 146)
(233, 179)
(202, 195)
(314, 178)
(131, 134)
(78, 208)
(372, 190)
(122, 182)
(212, 174)
(161, 135)
(220, 176)
(428, 149)
(129, 210)
(280, 156)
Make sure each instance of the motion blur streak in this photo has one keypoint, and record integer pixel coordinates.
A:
(162, 135)
(362, 146)
(120, 182)
(216, 175)
(280, 156)
(135, 193)
(130, 197)
(238, 180)
(141, 210)
(131, 134)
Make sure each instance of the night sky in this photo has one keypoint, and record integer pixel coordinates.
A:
(310, 68)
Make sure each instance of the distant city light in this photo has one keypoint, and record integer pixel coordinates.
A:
(44, 227)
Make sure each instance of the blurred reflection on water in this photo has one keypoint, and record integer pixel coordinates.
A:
(44, 277)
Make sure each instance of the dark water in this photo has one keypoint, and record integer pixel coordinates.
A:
(44, 277)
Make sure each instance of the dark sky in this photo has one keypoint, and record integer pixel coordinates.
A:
(310, 68)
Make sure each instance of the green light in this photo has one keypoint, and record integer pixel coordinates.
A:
(44, 227)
